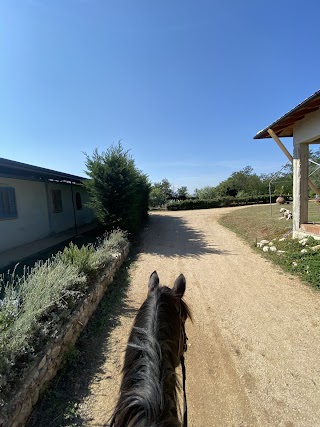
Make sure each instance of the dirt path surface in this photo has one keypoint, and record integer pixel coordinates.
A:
(254, 346)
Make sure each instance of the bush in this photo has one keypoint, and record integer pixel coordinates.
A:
(119, 192)
(34, 305)
(218, 203)
(82, 258)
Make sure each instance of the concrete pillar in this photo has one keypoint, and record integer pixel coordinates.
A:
(300, 185)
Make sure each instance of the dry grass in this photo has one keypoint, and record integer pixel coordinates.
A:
(258, 222)
(255, 223)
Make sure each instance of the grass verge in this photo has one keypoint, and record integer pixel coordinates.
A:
(299, 257)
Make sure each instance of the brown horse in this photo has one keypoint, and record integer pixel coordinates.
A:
(148, 391)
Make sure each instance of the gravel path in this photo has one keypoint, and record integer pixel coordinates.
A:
(254, 346)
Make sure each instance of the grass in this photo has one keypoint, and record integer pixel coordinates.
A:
(300, 257)
(36, 303)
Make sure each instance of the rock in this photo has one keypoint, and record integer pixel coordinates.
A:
(303, 241)
(42, 362)
(265, 249)
(273, 249)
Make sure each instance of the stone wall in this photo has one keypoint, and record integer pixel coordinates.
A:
(45, 367)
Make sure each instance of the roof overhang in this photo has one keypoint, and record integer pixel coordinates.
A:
(283, 127)
(10, 168)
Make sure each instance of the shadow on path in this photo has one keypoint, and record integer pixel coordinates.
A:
(168, 236)
(171, 236)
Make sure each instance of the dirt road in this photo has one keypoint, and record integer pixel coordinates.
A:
(254, 346)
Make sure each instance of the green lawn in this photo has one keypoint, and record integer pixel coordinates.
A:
(263, 221)
(255, 223)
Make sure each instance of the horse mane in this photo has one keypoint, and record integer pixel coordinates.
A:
(148, 392)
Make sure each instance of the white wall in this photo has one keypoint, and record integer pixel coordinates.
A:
(85, 215)
(32, 222)
(61, 221)
(35, 217)
(307, 129)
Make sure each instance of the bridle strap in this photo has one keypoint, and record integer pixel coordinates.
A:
(185, 408)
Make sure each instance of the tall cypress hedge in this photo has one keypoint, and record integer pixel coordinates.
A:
(118, 191)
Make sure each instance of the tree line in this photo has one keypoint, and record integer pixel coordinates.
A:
(120, 194)
(243, 183)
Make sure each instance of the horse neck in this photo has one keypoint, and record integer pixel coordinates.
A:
(149, 379)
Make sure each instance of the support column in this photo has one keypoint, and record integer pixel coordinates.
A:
(300, 185)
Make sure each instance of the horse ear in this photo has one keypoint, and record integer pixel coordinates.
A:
(153, 281)
(180, 285)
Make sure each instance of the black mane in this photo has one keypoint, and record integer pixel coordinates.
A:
(148, 390)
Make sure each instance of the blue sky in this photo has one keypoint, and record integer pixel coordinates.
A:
(184, 84)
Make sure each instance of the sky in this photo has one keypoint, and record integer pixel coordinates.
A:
(184, 84)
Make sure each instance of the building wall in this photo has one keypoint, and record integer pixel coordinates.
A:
(36, 218)
(61, 221)
(85, 215)
(32, 222)
(307, 129)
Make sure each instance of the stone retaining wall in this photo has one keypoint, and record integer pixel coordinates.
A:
(46, 366)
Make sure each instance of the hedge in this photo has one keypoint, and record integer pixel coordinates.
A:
(190, 204)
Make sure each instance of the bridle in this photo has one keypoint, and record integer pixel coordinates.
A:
(183, 367)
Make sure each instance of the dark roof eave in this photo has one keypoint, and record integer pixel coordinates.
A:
(283, 127)
(17, 169)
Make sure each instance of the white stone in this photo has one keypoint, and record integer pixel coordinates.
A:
(265, 249)
(303, 242)
(273, 249)
(304, 251)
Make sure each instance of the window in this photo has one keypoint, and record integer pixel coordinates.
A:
(78, 201)
(56, 201)
(8, 208)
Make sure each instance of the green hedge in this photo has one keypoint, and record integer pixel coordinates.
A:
(218, 203)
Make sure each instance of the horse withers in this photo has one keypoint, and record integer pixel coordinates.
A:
(148, 391)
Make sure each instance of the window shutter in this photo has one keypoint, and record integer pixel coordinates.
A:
(8, 207)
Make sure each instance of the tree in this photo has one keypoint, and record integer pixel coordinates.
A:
(245, 181)
(160, 193)
(118, 191)
(157, 197)
(205, 193)
(182, 193)
(314, 170)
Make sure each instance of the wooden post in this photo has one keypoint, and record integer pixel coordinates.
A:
(286, 152)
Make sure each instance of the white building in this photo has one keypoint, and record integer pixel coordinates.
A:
(36, 203)
(302, 124)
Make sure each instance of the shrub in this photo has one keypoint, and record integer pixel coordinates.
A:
(119, 192)
(34, 305)
(217, 203)
(83, 258)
